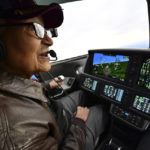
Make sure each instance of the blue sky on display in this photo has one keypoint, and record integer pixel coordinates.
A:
(108, 59)
(94, 24)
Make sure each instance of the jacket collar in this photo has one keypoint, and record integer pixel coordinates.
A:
(21, 86)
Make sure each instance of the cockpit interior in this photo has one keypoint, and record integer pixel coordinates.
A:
(118, 78)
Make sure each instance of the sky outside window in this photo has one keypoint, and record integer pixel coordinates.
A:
(94, 24)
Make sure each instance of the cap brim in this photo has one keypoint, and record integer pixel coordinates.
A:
(52, 15)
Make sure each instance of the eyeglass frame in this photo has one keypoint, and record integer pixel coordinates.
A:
(53, 31)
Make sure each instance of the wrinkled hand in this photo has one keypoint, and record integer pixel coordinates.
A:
(82, 113)
(53, 84)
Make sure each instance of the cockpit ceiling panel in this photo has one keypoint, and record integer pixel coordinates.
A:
(47, 2)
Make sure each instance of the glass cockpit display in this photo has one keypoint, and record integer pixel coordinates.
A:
(90, 84)
(113, 92)
(113, 66)
(144, 77)
(142, 104)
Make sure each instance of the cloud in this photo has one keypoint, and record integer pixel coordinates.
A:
(93, 24)
(142, 44)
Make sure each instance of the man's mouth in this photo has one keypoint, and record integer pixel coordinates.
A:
(45, 54)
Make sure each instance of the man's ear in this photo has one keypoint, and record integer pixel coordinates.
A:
(2, 51)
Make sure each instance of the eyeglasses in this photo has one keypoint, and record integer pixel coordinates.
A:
(40, 31)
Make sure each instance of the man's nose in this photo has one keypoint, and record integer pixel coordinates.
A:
(47, 40)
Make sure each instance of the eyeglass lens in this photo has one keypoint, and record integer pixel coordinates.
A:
(40, 31)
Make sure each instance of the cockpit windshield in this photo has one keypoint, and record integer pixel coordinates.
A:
(102, 24)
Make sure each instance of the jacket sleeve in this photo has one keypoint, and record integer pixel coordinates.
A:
(75, 138)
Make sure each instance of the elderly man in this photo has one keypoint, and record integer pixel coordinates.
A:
(26, 120)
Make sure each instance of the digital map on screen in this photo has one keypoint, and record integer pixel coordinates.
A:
(110, 65)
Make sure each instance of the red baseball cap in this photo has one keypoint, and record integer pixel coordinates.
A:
(52, 13)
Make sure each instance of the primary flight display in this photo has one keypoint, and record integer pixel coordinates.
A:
(113, 66)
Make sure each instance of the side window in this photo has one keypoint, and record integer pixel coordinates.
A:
(94, 24)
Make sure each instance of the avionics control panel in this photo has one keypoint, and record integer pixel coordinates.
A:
(121, 76)
(142, 103)
(90, 84)
(113, 92)
(130, 118)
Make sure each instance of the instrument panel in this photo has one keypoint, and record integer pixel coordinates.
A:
(121, 76)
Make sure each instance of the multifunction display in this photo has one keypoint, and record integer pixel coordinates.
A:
(113, 66)
(90, 84)
(142, 104)
(144, 77)
(113, 92)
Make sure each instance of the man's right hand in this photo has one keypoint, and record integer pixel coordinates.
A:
(82, 113)
(53, 84)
